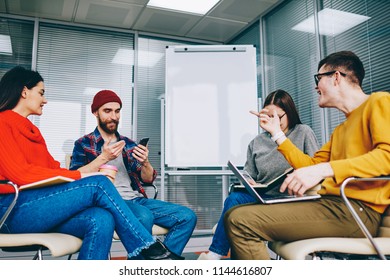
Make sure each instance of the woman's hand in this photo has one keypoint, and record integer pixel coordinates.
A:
(87, 174)
(269, 123)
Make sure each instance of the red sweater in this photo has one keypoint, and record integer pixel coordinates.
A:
(24, 157)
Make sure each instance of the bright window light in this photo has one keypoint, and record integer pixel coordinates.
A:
(5, 45)
(331, 22)
(145, 59)
(124, 56)
(191, 6)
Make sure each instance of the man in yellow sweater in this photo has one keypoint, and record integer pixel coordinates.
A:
(360, 147)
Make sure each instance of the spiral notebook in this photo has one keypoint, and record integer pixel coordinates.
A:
(273, 195)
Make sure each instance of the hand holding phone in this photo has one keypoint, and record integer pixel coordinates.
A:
(144, 141)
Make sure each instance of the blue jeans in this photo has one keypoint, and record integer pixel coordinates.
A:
(90, 208)
(179, 219)
(220, 243)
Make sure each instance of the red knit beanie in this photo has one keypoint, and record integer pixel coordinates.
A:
(103, 97)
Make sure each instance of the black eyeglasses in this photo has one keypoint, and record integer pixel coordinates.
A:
(317, 77)
(280, 117)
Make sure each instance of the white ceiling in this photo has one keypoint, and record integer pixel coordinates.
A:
(221, 24)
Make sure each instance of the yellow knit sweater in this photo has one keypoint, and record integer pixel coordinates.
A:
(359, 147)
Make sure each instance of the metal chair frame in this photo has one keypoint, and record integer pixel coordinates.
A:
(317, 244)
(356, 216)
(54, 242)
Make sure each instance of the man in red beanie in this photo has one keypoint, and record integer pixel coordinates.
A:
(104, 146)
(103, 97)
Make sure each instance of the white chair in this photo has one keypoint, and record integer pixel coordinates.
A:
(58, 244)
(341, 247)
(156, 230)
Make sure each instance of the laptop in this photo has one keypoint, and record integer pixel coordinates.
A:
(270, 196)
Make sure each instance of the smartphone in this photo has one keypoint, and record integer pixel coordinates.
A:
(144, 141)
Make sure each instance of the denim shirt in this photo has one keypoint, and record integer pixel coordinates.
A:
(89, 147)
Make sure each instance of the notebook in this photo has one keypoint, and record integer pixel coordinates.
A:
(277, 182)
(47, 182)
(272, 195)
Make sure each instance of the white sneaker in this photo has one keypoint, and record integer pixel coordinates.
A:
(203, 257)
(209, 257)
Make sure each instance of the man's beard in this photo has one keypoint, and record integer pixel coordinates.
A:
(104, 126)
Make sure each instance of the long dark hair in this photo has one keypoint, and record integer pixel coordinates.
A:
(12, 84)
(284, 101)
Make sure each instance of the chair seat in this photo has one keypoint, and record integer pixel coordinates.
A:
(59, 244)
(298, 250)
(156, 230)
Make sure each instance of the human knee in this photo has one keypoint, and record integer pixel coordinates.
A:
(232, 200)
(189, 216)
(185, 216)
(233, 217)
(100, 221)
(101, 181)
(146, 218)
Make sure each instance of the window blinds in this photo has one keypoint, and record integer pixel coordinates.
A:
(75, 64)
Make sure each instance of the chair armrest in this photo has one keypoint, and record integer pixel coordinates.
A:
(11, 206)
(235, 185)
(356, 216)
(151, 185)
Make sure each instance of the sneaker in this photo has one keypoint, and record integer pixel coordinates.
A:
(209, 257)
(203, 257)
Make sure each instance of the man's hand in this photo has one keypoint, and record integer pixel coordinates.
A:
(110, 152)
(141, 154)
(302, 179)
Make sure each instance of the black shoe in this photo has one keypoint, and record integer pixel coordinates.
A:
(136, 258)
(159, 251)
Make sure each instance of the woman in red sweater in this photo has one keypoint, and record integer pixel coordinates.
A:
(89, 207)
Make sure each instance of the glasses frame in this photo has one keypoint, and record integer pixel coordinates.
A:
(280, 117)
(316, 80)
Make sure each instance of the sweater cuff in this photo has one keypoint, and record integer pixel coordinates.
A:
(286, 146)
(341, 169)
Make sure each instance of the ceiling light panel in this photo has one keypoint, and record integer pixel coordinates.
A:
(5, 45)
(190, 6)
(331, 22)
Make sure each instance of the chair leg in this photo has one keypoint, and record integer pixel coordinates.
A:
(314, 257)
(38, 255)
(278, 258)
